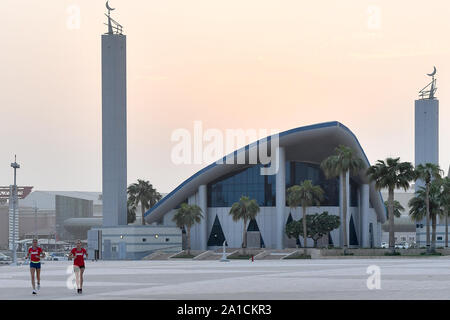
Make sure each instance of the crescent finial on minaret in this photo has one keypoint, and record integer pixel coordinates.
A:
(433, 73)
(112, 24)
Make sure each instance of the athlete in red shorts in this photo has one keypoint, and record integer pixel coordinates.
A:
(78, 254)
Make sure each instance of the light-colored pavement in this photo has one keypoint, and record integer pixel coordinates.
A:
(421, 278)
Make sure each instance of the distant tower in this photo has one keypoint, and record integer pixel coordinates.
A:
(114, 124)
(427, 125)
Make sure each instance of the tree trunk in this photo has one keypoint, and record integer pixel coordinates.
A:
(391, 220)
(143, 211)
(446, 228)
(188, 234)
(244, 240)
(344, 210)
(304, 230)
(427, 203)
(315, 242)
(433, 235)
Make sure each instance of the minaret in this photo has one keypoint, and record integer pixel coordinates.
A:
(426, 131)
(427, 126)
(114, 124)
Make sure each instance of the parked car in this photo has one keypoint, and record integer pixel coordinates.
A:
(4, 257)
(384, 245)
(402, 245)
(57, 256)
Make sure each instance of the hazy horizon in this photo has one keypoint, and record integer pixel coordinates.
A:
(231, 64)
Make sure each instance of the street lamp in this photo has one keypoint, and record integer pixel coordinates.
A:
(15, 166)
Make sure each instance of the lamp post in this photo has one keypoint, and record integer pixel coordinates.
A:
(15, 166)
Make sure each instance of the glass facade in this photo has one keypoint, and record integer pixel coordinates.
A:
(297, 172)
(249, 182)
(227, 190)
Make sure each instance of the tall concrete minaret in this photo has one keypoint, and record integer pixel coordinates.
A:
(114, 124)
(427, 126)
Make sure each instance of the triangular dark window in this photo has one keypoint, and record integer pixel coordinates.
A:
(353, 237)
(289, 219)
(253, 226)
(330, 239)
(216, 237)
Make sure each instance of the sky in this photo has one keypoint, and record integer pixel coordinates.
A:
(251, 64)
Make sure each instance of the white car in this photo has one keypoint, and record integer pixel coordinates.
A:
(403, 245)
(57, 256)
(4, 257)
(384, 245)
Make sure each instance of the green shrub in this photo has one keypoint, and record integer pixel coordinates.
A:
(395, 253)
(431, 254)
(300, 256)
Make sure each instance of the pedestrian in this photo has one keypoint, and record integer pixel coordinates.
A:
(78, 254)
(35, 253)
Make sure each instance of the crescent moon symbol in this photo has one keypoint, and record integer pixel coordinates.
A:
(108, 7)
(433, 73)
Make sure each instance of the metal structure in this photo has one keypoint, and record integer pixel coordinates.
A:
(430, 89)
(113, 26)
(13, 201)
(224, 252)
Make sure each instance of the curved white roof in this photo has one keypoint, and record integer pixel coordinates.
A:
(311, 143)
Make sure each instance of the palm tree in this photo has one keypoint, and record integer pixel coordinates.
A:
(144, 193)
(304, 195)
(398, 208)
(245, 209)
(343, 162)
(427, 172)
(418, 206)
(186, 216)
(445, 203)
(391, 174)
(131, 212)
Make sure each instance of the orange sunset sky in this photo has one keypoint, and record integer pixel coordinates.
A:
(229, 63)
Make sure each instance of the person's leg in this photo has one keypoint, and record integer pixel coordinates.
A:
(81, 277)
(38, 277)
(76, 269)
(32, 271)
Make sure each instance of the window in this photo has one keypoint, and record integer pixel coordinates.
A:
(297, 172)
(226, 190)
(249, 182)
(167, 239)
(439, 238)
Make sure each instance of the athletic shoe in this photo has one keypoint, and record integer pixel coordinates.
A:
(81, 291)
(34, 291)
(78, 291)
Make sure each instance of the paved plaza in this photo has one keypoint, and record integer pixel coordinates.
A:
(410, 278)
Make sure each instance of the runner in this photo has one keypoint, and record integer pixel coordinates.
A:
(35, 253)
(78, 264)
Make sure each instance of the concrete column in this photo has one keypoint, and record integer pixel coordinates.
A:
(114, 130)
(280, 195)
(203, 204)
(341, 209)
(364, 209)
